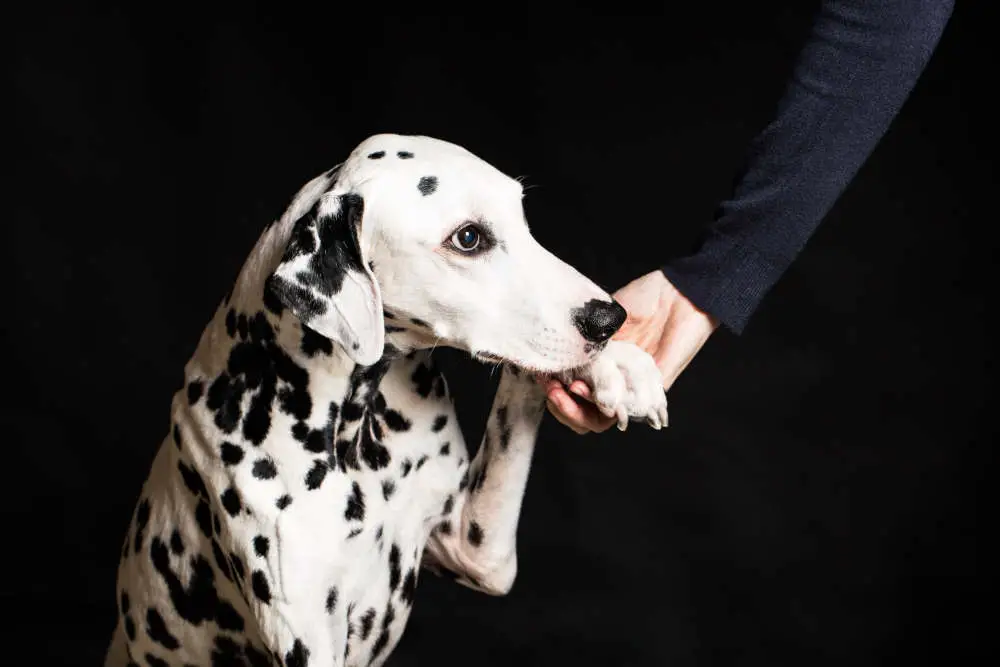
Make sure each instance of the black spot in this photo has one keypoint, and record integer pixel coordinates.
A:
(176, 434)
(449, 505)
(283, 502)
(272, 302)
(396, 421)
(314, 343)
(478, 477)
(198, 601)
(203, 515)
(331, 600)
(264, 469)
(445, 449)
(353, 412)
(377, 155)
(316, 474)
(475, 534)
(130, 628)
(504, 425)
(409, 587)
(192, 480)
(260, 545)
(404, 155)
(355, 504)
(217, 524)
(176, 543)
(388, 488)
(227, 653)
(255, 657)
(231, 322)
(257, 423)
(394, 571)
(444, 527)
(237, 563)
(298, 656)
(195, 390)
(464, 482)
(231, 501)
(261, 331)
(224, 397)
(231, 454)
(421, 461)
(354, 533)
(242, 325)
(427, 185)
(258, 582)
(124, 603)
(221, 562)
(373, 452)
(366, 623)
(406, 467)
(423, 378)
(153, 661)
(383, 638)
(439, 423)
(158, 632)
(141, 520)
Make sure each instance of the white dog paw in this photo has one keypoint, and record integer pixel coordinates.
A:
(626, 383)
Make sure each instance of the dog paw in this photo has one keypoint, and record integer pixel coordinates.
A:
(626, 383)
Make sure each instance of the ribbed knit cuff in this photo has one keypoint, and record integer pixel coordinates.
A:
(728, 283)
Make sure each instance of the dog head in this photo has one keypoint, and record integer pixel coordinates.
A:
(419, 237)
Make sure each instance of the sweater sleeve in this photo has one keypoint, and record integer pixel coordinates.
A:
(859, 64)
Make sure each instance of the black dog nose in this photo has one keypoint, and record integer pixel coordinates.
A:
(598, 321)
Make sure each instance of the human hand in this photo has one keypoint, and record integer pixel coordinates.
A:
(663, 323)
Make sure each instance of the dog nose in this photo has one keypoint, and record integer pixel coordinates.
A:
(598, 321)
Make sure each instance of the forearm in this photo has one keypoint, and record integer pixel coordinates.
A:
(854, 73)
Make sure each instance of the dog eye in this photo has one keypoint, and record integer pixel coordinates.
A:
(467, 238)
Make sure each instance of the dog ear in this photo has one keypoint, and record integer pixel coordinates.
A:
(324, 280)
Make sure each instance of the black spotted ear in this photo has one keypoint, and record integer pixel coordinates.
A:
(324, 280)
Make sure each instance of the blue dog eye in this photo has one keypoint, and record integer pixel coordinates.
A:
(466, 238)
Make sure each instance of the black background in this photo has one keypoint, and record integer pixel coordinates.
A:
(820, 496)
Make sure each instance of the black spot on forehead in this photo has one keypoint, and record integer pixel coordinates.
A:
(427, 185)
(404, 155)
(377, 155)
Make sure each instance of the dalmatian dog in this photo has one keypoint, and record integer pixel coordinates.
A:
(314, 465)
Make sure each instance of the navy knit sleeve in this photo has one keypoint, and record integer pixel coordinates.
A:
(857, 68)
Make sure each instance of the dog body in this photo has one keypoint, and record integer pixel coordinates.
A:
(314, 460)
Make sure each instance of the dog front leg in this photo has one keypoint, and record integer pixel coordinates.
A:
(478, 539)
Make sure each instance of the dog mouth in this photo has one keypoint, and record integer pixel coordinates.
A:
(486, 357)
